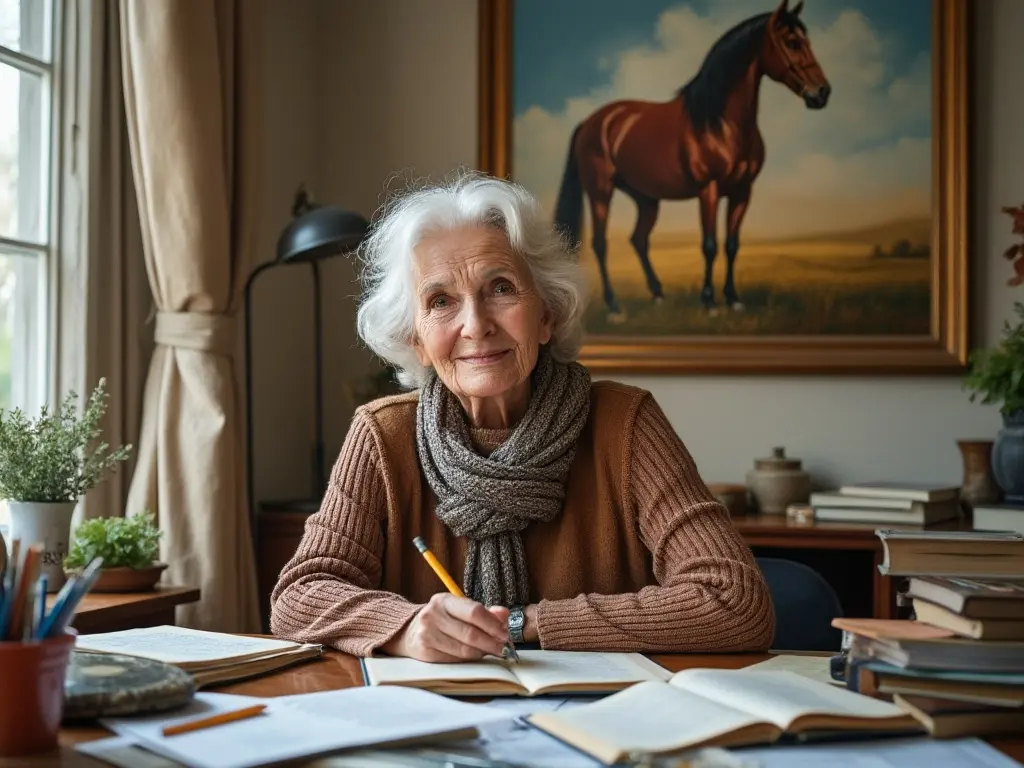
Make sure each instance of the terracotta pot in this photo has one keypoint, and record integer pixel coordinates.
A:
(127, 579)
(32, 705)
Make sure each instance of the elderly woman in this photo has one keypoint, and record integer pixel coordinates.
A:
(569, 510)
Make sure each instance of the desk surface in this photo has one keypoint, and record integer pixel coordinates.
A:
(112, 611)
(337, 670)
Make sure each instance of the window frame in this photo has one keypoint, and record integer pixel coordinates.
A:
(38, 304)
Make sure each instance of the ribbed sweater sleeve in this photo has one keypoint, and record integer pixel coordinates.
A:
(327, 591)
(710, 594)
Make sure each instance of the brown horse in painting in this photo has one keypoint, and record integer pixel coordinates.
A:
(704, 143)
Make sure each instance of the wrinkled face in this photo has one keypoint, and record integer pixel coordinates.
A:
(479, 319)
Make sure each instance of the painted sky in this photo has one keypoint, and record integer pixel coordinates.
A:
(863, 160)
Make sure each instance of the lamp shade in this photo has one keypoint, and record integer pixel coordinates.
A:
(319, 233)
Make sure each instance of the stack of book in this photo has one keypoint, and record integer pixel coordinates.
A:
(888, 503)
(958, 664)
(211, 658)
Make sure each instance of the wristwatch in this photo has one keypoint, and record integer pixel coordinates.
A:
(516, 622)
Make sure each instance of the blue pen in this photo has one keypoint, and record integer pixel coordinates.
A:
(61, 614)
(40, 606)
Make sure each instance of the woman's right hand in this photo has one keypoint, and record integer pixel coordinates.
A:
(451, 629)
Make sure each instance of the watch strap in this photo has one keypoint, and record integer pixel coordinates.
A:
(516, 623)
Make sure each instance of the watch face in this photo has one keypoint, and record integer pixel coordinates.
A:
(516, 618)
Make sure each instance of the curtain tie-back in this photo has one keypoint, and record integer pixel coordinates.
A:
(201, 331)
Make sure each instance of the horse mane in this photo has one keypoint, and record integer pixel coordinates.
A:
(706, 94)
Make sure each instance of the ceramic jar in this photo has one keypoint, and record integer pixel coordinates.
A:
(777, 481)
(1008, 458)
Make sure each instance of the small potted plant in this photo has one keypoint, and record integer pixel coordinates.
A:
(129, 547)
(46, 465)
(996, 376)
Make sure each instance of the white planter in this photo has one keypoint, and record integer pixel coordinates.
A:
(46, 523)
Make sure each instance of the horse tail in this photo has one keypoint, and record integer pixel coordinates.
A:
(569, 209)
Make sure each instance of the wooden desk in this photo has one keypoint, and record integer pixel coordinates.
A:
(768, 534)
(113, 611)
(337, 670)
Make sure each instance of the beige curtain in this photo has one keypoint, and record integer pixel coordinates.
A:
(105, 298)
(189, 83)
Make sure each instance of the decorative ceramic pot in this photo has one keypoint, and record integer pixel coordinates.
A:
(128, 579)
(1008, 457)
(978, 485)
(778, 481)
(48, 524)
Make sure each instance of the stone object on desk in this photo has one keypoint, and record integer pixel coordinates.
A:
(109, 685)
(777, 481)
(732, 496)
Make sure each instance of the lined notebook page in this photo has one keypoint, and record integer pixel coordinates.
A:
(538, 669)
(396, 669)
(180, 645)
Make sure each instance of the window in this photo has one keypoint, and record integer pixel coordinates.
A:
(27, 200)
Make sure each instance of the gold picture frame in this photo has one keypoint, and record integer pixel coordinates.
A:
(943, 350)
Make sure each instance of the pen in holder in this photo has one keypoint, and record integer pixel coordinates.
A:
(35, 646)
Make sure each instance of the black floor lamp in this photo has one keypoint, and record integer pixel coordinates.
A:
(316, 232)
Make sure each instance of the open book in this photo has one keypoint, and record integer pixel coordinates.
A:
(538, 672)
(716, 707)
(210, 657)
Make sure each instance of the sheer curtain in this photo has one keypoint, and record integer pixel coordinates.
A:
(104, 295)
(190, 85)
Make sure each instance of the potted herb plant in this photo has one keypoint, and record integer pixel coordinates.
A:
(46, 465)
(996, 376)
(129, 547)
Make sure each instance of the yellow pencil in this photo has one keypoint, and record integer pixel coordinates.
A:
(212, 720)
(449, 582)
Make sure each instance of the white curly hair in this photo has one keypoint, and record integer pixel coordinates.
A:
(387, 311)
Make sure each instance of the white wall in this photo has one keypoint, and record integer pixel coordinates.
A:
(398, 94)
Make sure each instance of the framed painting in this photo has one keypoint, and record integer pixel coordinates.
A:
(758, 186)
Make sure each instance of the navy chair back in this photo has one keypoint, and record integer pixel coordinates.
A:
(805, 605)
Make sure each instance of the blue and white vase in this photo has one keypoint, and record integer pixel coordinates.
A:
(1008, 458)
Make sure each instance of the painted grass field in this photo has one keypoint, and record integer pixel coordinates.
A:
(827, 286)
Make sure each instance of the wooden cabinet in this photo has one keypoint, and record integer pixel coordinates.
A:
(279, 530)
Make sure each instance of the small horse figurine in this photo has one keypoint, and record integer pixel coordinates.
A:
(704, 143)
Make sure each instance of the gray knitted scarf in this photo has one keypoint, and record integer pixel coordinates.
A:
(490, 499)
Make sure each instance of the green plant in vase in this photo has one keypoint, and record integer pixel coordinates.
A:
(46, 465)
(129, 546)
(996, 377)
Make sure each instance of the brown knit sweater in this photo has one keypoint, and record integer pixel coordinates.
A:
(642, 557)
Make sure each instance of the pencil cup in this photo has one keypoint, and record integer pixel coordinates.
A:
(32, 693)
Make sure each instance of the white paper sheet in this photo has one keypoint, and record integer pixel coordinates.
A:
(300, 726)
(884, 753)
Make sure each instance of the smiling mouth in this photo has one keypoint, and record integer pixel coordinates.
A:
(487, 359)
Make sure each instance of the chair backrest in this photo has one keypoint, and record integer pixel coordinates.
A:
(805, 605)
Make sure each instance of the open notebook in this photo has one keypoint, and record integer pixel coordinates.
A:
(538, 672)
(210, 657)
(716, 707)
